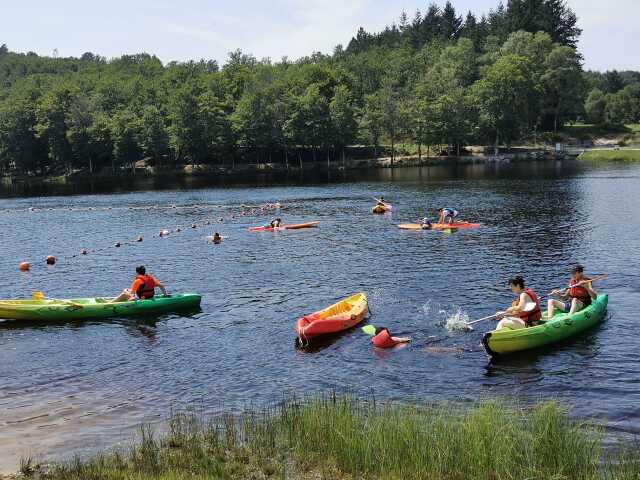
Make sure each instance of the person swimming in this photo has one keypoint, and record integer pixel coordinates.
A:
(217, 239)
(384, 339)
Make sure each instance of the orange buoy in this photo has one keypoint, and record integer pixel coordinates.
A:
(24, 266)
(51, 260)
(139, 239)
(84, 251)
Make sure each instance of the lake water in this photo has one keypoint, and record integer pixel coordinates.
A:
(74, 387)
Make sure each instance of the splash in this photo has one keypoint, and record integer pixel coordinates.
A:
(458, 321)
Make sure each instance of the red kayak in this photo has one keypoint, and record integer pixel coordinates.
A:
(296, 226)
(439, 226)
(341, 316)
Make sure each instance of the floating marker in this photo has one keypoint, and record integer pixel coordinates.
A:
(24, 266)
(51, 260)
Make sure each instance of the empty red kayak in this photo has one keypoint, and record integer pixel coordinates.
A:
(338, 317)
(296, 226)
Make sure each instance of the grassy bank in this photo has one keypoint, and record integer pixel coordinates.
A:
(341, 438)
(611, 155)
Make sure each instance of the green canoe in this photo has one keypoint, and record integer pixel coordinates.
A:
(560, 327)
(81, 308)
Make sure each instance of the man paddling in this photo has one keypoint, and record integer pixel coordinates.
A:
(524, 311)
(143, 287)
(446, 215)
(580, 293)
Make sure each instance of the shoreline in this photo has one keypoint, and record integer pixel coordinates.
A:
(352, 164)
(491, 438)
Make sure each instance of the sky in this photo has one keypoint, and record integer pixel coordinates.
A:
(194, 29)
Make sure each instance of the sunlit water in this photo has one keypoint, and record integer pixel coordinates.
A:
(74, 387)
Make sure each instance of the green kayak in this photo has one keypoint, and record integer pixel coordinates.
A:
(560, 327)
(82, 308)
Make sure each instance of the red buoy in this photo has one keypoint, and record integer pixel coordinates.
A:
(51, 260)
(24, 266)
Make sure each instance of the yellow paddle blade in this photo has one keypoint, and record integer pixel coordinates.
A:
(369, 329)
(37, 296)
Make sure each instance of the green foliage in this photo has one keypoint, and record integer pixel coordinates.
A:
(343, 438)
(436, 79)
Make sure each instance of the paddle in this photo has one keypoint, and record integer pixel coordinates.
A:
(380, 201)
(527, 308)
(369, 330)
(38, 295)
(582, 282)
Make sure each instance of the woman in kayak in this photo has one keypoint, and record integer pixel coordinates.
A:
(383, 339)
(143, 287)
(525, 309)
(580, 293)
(446, 215)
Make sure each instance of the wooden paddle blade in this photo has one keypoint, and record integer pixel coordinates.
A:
(369, 330)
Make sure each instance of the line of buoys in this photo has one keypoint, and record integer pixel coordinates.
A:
(51, 260)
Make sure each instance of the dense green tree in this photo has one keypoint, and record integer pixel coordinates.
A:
(595, 106)
(562, 84)
(343, 119)
(503, 97)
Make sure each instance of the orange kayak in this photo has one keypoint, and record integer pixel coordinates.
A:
(338, 317)
(296, 226)
(439, 226)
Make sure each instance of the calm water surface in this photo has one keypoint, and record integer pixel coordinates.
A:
(75, 387)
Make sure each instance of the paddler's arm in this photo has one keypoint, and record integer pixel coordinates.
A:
(521, 304)
(589, 287)
(160, 285)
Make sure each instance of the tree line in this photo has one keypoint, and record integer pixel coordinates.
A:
(441, 79)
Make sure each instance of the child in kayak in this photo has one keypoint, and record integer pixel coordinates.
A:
(143, 287)
(580, 293)
(425, 224)
(524, 311)
(446, 215)
(277, 223)
(383, 339)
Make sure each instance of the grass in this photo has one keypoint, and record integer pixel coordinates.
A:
(611, 155)
(344, 438)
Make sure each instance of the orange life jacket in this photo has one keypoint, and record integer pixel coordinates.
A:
(146, 286)
(384, 340)
(534, 315)
(580, 293)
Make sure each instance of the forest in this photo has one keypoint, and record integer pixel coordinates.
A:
(438, 79)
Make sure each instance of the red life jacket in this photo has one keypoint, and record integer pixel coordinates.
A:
(147, 288)
(580, 293)
(384, 340)
(534, 315)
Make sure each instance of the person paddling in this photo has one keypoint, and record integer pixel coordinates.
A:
(580, 293)
(384, 339)
(446, 215)
(277, 223)
(524, 311)
(143, 287)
